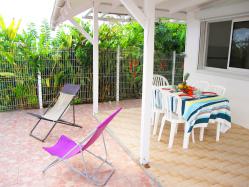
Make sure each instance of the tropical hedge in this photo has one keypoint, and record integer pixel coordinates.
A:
(67, 53)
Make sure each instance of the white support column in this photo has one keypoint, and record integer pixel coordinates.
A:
(95, 58)
(117, 73)
(148, 64)
(39, 88)
(173, 67)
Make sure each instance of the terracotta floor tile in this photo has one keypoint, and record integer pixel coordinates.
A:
(22, 158)
(206, 163)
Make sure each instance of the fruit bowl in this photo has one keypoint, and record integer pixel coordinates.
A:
(186, 88)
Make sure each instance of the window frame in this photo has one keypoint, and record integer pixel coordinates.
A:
(203, 61)
(230, 46)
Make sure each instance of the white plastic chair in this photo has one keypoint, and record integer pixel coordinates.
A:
(160, 81)
(156, 110)
(202, 85)
(171, 117)
(219, 90)
(191, 83)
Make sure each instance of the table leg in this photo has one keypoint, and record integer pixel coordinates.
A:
(186, 137)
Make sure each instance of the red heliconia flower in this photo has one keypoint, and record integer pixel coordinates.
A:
(162, 65)
(130, 67)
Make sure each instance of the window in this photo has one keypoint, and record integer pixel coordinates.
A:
(218, 44)
(239, 57)
(224, 44)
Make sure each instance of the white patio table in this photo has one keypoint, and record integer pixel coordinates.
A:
(200, 110)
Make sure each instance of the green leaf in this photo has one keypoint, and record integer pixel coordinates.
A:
(7, 74)
(47, 80)
(57, 78)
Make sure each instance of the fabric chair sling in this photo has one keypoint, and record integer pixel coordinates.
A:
(66, 148)
(57, 109)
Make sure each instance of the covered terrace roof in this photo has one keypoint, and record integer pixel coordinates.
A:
(175, 9)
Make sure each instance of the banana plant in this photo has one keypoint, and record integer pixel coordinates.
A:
(8, 33)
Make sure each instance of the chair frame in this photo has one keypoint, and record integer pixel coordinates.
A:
(40, 117)
(202, 85)
(85, 172)
(156, 112)
(168, 117)
(221, 90)
(160, 81)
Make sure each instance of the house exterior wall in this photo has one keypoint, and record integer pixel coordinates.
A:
(237, 86)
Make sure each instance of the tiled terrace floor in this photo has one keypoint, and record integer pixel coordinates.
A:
(22, 157)
(207, 163)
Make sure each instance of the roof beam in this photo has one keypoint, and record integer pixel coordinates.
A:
(160, 12)
(134, 11)
(164, 13)
(82, 31)
(87, 12)
(59, 15)
(110, 19)
(159, 1)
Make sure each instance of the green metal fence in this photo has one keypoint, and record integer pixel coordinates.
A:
(18, 83)
(120, 76)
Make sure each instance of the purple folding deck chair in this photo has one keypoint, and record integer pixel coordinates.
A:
(66, 148)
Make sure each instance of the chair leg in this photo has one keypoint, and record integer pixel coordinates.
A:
(31, 132)
(49, 131)
(202, 133)
(51, 164)
(218, 132)
(153, 118)
(42, 140)
(186, 137)
(161, 129)
(172, 135)
(176, 129)
(156, 123)
(193, 135)
(92, 176)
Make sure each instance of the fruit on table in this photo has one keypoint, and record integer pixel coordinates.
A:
(186, 88)
(182, 86)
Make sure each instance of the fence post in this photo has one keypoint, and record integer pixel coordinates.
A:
(173, 68)
(39, 89)
(117, 73)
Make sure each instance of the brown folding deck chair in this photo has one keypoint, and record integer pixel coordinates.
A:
(57, 109)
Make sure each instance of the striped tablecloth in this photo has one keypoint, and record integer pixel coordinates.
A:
(205, 109)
